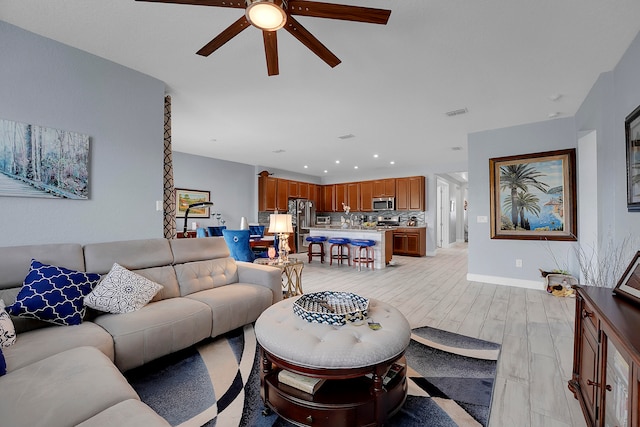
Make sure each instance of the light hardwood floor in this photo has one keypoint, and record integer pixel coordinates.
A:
(534, 328)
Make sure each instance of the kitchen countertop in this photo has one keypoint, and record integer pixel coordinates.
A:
(359, 228)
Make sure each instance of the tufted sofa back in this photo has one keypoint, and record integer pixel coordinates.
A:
(151, 258)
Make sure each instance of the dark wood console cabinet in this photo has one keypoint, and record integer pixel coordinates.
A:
(606, 358)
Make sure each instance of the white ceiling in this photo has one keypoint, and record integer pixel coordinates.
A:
(502, 60)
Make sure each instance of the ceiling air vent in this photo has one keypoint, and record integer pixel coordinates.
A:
(457, 112)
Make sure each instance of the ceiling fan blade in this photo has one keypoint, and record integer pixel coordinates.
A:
(309, 40)
(338, 11)
(271, 51)
(230, 32)
(239, 4)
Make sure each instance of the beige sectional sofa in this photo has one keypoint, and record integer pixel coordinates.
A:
(72, 374)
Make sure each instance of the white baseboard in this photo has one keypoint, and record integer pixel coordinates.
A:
(506, 281)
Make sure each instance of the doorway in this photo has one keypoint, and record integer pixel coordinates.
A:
(442, 214)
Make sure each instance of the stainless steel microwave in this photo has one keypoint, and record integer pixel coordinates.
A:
(384, 203)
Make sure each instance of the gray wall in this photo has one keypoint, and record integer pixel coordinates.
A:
(233, 187)
(50, 84)
(494, 260)
(614, 95)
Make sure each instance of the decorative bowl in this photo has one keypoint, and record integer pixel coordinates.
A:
(331, 308)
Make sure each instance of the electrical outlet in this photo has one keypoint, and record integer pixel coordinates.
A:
(159, 206)
(482, 219)
(519, 263)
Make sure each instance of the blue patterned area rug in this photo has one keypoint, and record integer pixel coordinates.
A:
(217, 383)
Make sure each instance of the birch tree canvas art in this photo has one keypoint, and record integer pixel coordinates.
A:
(37, 161)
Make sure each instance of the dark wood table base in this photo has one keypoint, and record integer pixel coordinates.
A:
(348, 398)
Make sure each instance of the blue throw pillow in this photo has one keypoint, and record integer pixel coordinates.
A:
(238, 243)
(54, 294)
(3, 364)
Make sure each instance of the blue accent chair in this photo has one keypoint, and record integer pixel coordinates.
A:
(202, 232)
(238, 243)
(216, 231)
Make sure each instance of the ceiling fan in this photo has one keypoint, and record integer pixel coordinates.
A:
(271, 15)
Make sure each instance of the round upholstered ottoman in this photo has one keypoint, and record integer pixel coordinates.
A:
(362, 370)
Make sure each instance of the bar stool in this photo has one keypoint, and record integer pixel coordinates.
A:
(316, 240)
(341, 243)
(365, 253)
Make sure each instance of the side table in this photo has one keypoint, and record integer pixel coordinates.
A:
(291, 275)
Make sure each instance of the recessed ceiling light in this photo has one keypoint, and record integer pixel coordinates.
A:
(278, 151)
(555, 97)
(392, 162)
(553, 115)
(457, 148)
(355, 167)
(347, 136)
(326, 171)
(213, 140)
(375, 156)
(337, 162)
(306, 167)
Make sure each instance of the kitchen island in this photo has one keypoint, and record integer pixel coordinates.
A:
(382, 236)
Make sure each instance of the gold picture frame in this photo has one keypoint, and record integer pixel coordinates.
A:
(533, 196)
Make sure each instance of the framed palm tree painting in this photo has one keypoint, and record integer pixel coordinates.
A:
(632, 130)
(533, 196)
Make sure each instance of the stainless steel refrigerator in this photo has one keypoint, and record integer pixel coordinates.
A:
(303, 216)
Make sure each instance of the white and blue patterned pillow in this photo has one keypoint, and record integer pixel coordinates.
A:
(122, 291)
(7, 331)
(53, 294)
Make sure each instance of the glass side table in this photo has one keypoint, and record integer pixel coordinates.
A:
(291, 274)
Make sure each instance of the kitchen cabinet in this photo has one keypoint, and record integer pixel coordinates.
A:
(384, 187)
(366, 196)
(282, 196)
(606, 358)
(410, 241)
(267, 188)
(298, 190)
(353, 196)
(292, 189)
(340, 194)
(313, 195)
(410, 194)
(328, 199)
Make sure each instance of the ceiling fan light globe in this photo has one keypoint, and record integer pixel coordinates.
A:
(267, 15)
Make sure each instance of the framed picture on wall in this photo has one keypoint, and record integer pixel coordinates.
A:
(629, 284)
(533, 196)
(185, 197)
(632, 131)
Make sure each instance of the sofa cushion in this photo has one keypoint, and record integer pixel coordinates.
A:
(130, 413)
(157, 329)
(186, 250)
(54, 294)
(122, 291)
(234, 305)
(202, 275)
(239, 247)
(7, 331)
(62, 390)
(39, 344)
(15, 260)
(131, 254)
